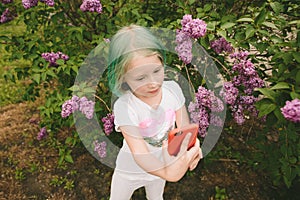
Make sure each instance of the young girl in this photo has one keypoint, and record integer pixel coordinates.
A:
(147, 109)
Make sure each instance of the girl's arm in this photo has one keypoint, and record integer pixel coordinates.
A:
(182, 117)
(172, 169)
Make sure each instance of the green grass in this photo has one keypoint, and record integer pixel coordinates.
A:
(10, 92)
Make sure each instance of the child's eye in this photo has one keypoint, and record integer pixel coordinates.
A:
(140, 78)
(157, 70)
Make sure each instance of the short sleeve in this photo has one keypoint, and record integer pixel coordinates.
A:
(176, 92)
(124, 114)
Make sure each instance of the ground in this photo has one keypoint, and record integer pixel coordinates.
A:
(29, 168)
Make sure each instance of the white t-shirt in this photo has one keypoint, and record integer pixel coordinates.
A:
(153, 124)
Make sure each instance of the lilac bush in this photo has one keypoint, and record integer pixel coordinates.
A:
(204, 109)
(291, 110)
(82, 104)
(42, 134)
(221, 45)
(91, 6)
(53, 57)
(191, 29)
(100, 148)
(184, 47)
(108, 123)
(194, 28)
(31, 3)
(6, 1)
(6, 16)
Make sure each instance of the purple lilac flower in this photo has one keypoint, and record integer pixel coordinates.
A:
(229, 93)
(75, 103)
(29, 3)
(221, 45)
(100, 148)
(240, 55)
(6, 1)
(206, 102)
(216, 120)
(195, 28)
(91, 6)
(238, 114)
(203, 97)
(184, 47)
(68, 108)
(42, 134)
(53, 57)
(291, 110)
(6, 16)
(48, 2)
(246, 76)
(86, 107)
(107, 40)
(108, 123)
(200, 116)
(216, 104)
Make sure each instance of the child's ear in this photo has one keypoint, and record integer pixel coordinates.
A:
(125, 86)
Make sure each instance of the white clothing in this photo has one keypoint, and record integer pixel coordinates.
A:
(153, 124)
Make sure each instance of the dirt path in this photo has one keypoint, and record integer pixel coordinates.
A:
(29, 169)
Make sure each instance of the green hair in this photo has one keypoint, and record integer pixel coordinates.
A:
(124, 45)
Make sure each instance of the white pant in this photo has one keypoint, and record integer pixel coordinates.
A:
(122, 188)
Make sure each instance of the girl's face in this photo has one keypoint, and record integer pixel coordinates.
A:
(145, 76)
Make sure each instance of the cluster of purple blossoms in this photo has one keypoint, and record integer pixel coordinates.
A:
(6, 16)
(246, 76)
(100, 148)
(108, 123)
(86, 107)
(291, 110)
(194, 28)
(82, 104)
(203, 110)
(221, 45)
(31, 3)
(229, 93)
(243, 106)
(53, 57)
(91, 6)
(6, 1)
(42, 134)
(48, 2)
(191, 28)
(184, 47)
(238, 92)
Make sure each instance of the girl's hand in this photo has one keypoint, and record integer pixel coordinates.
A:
(195, 162)
(185, 159)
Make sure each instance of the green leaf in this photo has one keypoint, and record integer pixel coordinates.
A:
(88, 90)
(250, 32)
(222, 33)
(261, 17)
(246, 19)
(270, 25)
(296, 55)
(69, 158)
(74, 88)
(295, 95)
(277, 7)
(268, 93)
(280, 85)
(266, 109)
(60, 61)
(37, 78)
(211, 25)
(227, 25)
